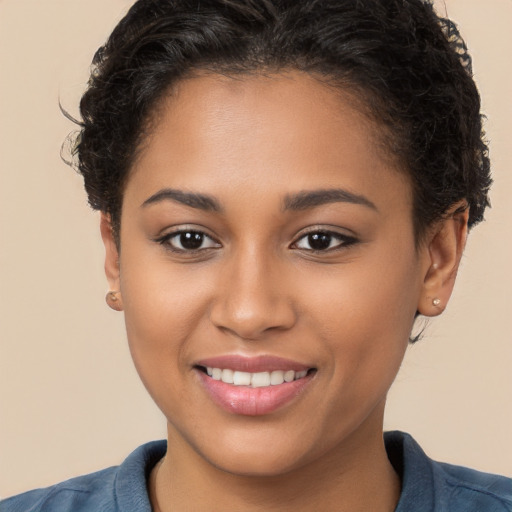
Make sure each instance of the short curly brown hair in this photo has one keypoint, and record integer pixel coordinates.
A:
(410, 67)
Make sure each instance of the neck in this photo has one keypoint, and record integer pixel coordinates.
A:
(354, 477)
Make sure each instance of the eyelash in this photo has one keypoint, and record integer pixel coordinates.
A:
(344, 241)
(166, 240)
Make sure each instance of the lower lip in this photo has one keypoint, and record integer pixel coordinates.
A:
(248, 401)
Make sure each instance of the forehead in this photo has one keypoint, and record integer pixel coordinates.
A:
(282, 131)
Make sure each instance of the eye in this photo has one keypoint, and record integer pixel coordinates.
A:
(323, 241)
(188, 241)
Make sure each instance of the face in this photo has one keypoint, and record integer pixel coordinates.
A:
(266, 239)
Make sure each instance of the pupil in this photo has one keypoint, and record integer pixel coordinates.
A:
(319, 241)
(191, 240)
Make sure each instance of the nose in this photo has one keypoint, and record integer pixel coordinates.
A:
(254, 298)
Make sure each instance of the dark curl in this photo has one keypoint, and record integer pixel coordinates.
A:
(409, 66)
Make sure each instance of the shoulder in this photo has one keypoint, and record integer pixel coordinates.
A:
(484, 491)
(78, 494)
(119, 488)
(430, 485)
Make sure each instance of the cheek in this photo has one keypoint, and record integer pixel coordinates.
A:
(163, 308)
(363, 314)
(373, 291)
(159, 295)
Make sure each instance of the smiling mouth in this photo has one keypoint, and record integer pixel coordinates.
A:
(256, 379)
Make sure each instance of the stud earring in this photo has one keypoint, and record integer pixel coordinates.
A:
(112, 296)
(113, 301)
(436, 302)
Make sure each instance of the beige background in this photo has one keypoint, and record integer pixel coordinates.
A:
(70, 400)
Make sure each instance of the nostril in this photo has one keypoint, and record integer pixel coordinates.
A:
(251, 313)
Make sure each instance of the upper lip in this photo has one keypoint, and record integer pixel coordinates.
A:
(264, 363)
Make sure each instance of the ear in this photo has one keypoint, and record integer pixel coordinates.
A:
(112, 271)
(445, 245)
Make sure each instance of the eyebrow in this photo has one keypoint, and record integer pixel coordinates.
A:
(194, 200)
(303, 200)
(311, 198)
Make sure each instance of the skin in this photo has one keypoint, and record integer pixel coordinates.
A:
(256, 288)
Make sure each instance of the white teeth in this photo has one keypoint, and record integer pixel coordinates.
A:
(260, 380)
(276, 378)
(289, 376)
(256, 380)
(227, 376)
(242, 379)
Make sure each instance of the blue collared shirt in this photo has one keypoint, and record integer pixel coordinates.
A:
(427, 486)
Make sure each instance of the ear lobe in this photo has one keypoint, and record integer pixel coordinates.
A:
(112, 270)
(445, 247)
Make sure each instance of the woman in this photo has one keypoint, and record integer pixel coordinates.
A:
(284, 188)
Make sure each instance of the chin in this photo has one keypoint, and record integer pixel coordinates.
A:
(261, 451)
(260, 465)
